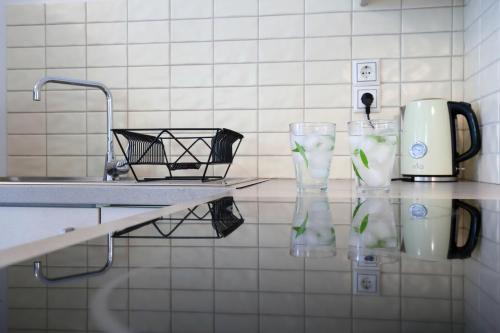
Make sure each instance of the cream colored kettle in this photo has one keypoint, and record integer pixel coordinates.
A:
(429, 143)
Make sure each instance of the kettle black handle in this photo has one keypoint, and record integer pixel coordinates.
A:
(465, 110)
(465, 251)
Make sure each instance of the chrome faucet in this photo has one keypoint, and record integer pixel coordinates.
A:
(112, 167)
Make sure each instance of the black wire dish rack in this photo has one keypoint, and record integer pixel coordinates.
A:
(192, 151)
(223, 215)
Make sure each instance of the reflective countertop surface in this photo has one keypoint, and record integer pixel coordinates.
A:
(313, 263)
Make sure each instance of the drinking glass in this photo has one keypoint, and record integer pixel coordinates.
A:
(313, 233)
(312, 146)
(373, 151)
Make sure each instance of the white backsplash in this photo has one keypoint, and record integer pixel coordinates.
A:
(243, 64)
(482, 83)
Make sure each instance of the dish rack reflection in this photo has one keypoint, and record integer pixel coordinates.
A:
(223, 215)
(197, 149)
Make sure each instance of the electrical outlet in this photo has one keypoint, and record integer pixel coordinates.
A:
(365, 72)
(357, 92)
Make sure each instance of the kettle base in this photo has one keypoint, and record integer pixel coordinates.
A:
(430, 178)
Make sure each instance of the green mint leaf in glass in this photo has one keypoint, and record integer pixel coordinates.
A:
(358, 206)
(356, 152)
(364, 224)
(302, 228)
(357, 172)
(381, 243)
(302, 151)
(363, 157)
(377, 138)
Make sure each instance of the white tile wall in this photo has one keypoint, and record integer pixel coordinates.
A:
(482, 83)
(250, 65)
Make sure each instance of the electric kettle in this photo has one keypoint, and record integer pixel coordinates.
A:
(429, 142)
(431, 230)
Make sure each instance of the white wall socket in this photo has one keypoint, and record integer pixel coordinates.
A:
(357, 92)
(365, 72)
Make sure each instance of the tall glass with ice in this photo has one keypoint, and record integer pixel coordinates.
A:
(373, 150)
(312, 146)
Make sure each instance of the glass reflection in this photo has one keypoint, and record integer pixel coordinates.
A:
(313, 233)
(374, 234)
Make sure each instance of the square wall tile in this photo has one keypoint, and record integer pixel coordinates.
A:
(191, 76)
(148, 99)
(329, 24)
(328, 48)
(235, 7)
(192, 9)
(191, 30)
(69, 166)
(235, 28)
(235, 75)
(149, 119)
(235, 98)
(112, 77)
(235, 51)
(148, 54)
(25, 36)
(323, 72)
(26, 57)
(106, 33)
(271, 7)
(65, 34)
(281, 73)
(23, 79)
(148, 77)
(66, 144)
(148, 32)
(69, 12)
(281, 50)
(26, 145)
(148, 10)
(281, 26)
(66, 123)
(426, 69)
(191, 53)
(278, 120)
(313, 6)
(238, 120)
(26, 123)
(25, 14)
(27, 166)
(369, 46)
(426, 45)
(427, 20)
(106, 55)
(376, 22)
(281, 97)
(191, 98)
(102, 11)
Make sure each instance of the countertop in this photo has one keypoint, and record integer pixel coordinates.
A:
(269, 260)
(285, 189)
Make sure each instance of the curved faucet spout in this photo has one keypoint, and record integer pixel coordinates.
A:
(110, 156)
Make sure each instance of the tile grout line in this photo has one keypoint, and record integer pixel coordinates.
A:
(45, 95)
(257, 97)
(86, 95)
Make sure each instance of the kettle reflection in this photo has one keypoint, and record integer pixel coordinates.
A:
(312, 233)
(431, 228)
